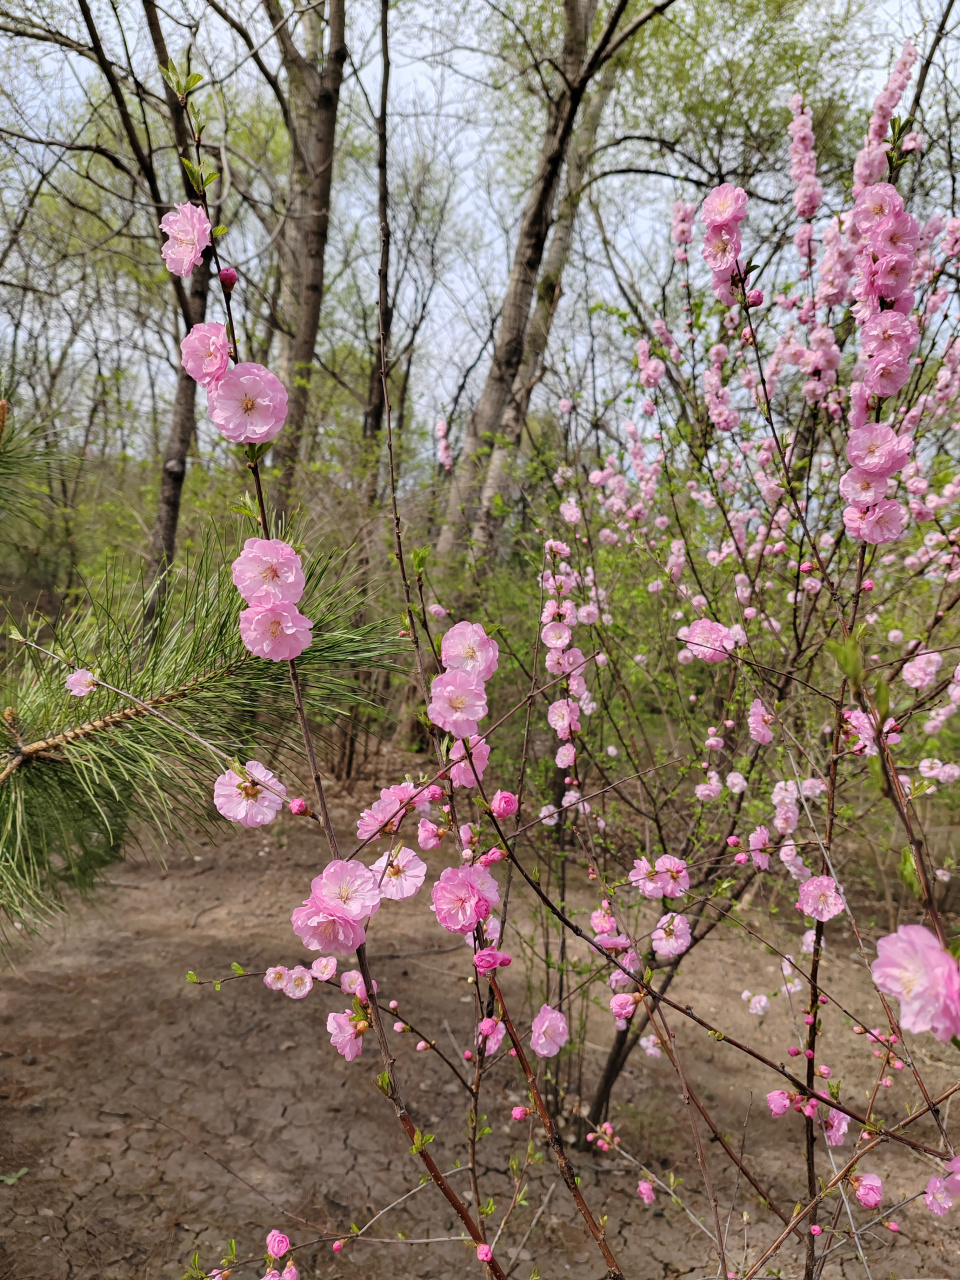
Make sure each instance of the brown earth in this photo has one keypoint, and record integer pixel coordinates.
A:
(156, 1119)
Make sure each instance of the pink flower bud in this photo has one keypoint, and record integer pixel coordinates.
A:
(808, 1053)
(815, 1230)
(337, 1246)
(299, 806)
(793, 1051)
(467, 1055)
(733, 842)
(503, 804)
(867, 584)
(521, 1113)
(484, 1253)
(755, 298)
(421, 1045)
(891, 1226)
(393, 1005)
(228, 279)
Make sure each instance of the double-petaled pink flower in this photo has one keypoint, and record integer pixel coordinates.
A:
(346, 1033)
(549, 1032)
(467, 647)
(252, 801)
(912, 966)
(205, 353)
(458, 700)
(400, 876)
(277, 632)
(188, 233)
(268, 572)
(463, 897)
(466, 772)
(820, 898)
(248, 405)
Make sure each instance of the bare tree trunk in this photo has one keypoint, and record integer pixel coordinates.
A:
(314, 101)
(578, 70)
(373, 417)
(504, 451)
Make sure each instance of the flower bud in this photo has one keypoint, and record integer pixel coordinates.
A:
(228, 280)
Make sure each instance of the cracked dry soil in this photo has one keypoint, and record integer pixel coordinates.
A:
(155, 1119)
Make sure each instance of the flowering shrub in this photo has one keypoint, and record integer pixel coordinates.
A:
(749, 534)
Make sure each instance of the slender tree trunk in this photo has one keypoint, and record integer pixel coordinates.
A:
(535, 224)
(498, 473)
(314, 101)
(183, 428)
(376, 401)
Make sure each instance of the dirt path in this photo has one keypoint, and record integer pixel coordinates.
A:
(156, 1119)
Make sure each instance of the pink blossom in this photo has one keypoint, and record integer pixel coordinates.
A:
(835, 1127)
(710, 641)
(570, 511)
(549, 1032)
(875, 204)
(645, 878)
(248, 405)
(922, 670)
(267, 572)
(588, 614)
(463, 896)
(429, 834)
(736, 782)
(467, 647)
(437, 611)
(324, 968)
(779, 1102)
(912, 966)
(563, 717)
(80, 682)
(484, 1252)
(953, 1180)
(403, 877)
(275, 977)
(645, 1191)
(205, 353)
(861, 488)
(298, 982)
(503, 804)
(346, 1033)
(352, 984)
(725, 203)
(556, 635)
(709, 790)
(467, 774)
(937, 1197)
(489, 959)
(878, 450)
(721, 246)
(672, 876)
(820, 898)
(869, 1189)
(187, 228)
(321, 930)
(298, 806)
(758, 722)
(457, 701)
(566, 756)
(277, 632)
(348, 889)
(252, 801)
(623, 1006)
(277, 1244)
(290, 1272)
(671, 937)
(759, 841)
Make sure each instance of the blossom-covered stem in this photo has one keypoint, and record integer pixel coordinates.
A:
(392, 1091)
(556, 1142)
(231, 328)
(697, 1140)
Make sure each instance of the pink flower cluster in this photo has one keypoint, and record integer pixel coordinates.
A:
(803, 166)
(269, 576)
(681, 232)
(464, 896)
(669, 877)
(444, 456)
(331, 920)
(721, 214)
(458, 698)
(871, 162)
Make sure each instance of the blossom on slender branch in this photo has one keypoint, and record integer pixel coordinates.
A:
(248, 405)
(254, 800)
(549, 1032)
(268, 571)
(277, 632)
(187, 229)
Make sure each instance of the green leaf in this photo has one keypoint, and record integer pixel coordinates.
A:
(191, 976)
(192, 81)
(238, 969)
(419, 556)
(881, 700)
(383, 1083)
(907, 872)
(172, 78)
(194, 174)
(210, 178)
(219, 231)
(849, 658)
(11, 1179)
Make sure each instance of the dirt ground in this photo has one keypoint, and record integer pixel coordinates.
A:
(156, 1119)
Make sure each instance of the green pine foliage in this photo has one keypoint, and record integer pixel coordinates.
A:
(80, 778)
